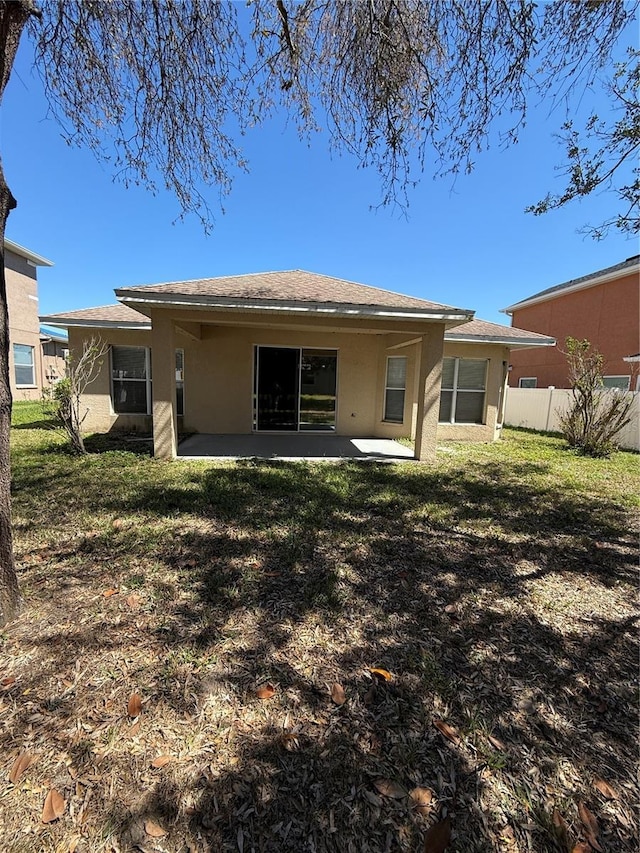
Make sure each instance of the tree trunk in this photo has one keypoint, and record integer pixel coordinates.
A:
(13, 17)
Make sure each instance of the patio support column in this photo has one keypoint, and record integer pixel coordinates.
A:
(163, 384)
(428, 393)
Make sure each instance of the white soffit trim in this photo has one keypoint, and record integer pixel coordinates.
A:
(512, 342)
(321, 309)
(95, 324)
(36, 260)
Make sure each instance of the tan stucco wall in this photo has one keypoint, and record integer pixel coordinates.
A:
(218, 379)
(54, 366)
(97, 398)
(490, 429)
(22, 301)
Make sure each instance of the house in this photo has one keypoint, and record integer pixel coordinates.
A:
(294, 352)
(26, 370)
(602, 307)
(54, 349)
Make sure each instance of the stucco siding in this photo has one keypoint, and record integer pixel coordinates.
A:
(22, 302)
(218, 378)
(498, 358)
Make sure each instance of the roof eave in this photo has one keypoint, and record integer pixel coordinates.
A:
(69, 322)
(292, 307)
(27, 254)
(582, 285)
(511, 343)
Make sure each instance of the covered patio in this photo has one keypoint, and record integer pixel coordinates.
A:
(326, 448)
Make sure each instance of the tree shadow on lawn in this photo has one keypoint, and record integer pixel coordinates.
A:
(494, 611)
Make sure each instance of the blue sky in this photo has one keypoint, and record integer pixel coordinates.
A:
(466, 243)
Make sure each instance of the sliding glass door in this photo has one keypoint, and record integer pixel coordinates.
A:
(295, 389)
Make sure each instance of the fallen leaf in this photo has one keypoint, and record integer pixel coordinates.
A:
(592, 830)
(438, 836)
(290, 742)
(161, 761)
(337, 694)
(20, 765)
(133, 601)
(581, 847)
(54, 806)
(448, 731)
(266, 691)
(389, 788)
(135, 729)
(497, 743)
(134, 707)
(421, 799)
(382, 674)
(109, 592)
(7, 683)
(370, 695)
(605, 788)
(154, 829)
(561, 828)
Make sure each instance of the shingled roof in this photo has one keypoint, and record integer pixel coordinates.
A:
(284, 289)
(477, 331)
(615, 271)
(105, 316)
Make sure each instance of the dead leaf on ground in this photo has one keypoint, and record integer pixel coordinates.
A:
(382, 674)
(590, 823)
(438, 837)
(7, 683)
(54, 806)
(421, 799)
(134, 731)
(337, 694)
(561, 828)
(134, 706)
(266, 691)
(448, 731)
(109, 592)
(133, 601)
(161, 761)
(20, 765)
(581, 847)
(389, 788)
(290, 741)
(154, 829)
(370, 695)
(605, 788)
(496, 743)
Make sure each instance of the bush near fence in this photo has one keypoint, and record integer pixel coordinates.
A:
(538, 408)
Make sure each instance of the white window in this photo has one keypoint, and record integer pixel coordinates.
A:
(621, 382)
(463, 390)
(24, 368)
(131, 380)
(395, 387)
(180, 382)
(528, 382)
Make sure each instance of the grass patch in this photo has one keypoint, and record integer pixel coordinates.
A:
(497, 586)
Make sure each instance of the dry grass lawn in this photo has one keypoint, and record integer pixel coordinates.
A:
(494, 590)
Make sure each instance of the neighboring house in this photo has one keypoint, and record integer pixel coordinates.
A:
(602, 307)
(54, 348)
(25, 353)
(294, 352)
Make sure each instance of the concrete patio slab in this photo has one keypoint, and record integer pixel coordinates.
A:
(296, 446)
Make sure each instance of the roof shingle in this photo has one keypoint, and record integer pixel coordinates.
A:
(296, 286)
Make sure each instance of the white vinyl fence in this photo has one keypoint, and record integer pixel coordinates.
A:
(537, 408)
